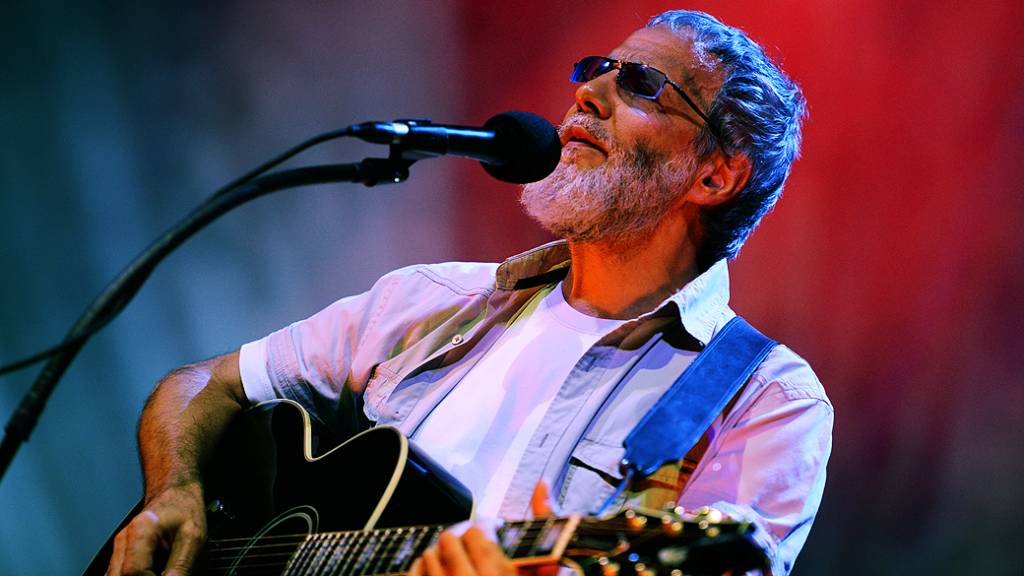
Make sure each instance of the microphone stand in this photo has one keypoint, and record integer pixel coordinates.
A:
(122, 289)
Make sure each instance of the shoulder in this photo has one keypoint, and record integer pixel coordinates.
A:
(421, 296)
(460, 278)
(789, 373)
(784, 377)
(408, 295)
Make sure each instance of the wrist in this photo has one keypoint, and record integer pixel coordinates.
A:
(190, 486)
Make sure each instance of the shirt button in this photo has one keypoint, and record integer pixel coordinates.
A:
(457, 339)
(716, 466)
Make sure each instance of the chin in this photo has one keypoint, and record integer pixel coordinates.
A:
(583, 158)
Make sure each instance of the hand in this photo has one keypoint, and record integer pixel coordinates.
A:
(172, 523)
(540, 505)
(474, 554)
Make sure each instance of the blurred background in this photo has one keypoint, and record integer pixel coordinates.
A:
(893, 262)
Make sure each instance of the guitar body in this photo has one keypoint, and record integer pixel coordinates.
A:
(271, 488)
(373, 504)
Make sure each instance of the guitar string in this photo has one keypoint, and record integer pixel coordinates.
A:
(603, 526)
(528, 532)
(518, 524)
(297, 539)
(341, 543)
(337, 541)
(301, 537)
(340, 561)
(637, 541)
(276, 567)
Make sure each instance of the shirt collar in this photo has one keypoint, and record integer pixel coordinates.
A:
(532, 267)
(702, 304)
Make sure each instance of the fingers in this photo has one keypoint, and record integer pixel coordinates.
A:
(140, 540)
(117, 556)
(485, 556)
(540, 502)
(454, 556)
(431, 564)
(186, 546)
(134, 547)
(471, 555)
(173, 522)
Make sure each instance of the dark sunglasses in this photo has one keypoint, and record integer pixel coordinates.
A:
(637, 79)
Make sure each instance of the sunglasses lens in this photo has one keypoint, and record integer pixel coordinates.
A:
(589, 68)
(636, 78)
(641, 80)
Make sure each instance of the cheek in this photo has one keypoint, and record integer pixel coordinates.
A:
(659, 133)
(639, 131)
(644, 118)
(632, 123)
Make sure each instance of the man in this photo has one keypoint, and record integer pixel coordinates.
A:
(532, 372)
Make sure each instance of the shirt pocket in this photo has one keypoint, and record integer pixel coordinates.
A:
(592, 475)
(594, 472)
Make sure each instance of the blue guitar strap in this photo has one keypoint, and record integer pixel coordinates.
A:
(681, 416)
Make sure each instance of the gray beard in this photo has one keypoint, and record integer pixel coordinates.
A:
(620, 200)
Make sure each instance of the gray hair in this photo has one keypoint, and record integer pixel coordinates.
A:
(758, 112)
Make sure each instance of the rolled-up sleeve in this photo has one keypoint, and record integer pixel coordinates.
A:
(314, 361)
(331, 362)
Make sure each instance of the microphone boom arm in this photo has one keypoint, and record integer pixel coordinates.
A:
(116, 296)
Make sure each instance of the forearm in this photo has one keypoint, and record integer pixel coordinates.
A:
(184, 420)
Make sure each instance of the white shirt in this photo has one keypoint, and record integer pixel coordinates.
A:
(396, 351)
(480, 430)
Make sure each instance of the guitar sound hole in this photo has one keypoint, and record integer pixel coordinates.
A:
(268, 551)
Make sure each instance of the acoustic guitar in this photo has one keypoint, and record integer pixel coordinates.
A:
(371, 505)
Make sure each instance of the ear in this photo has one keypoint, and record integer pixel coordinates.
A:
(719, 179)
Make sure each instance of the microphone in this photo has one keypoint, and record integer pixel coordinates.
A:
(517, 147)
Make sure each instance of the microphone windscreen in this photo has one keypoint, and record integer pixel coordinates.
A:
(529, 144)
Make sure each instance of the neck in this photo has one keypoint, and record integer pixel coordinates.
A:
(623, 279)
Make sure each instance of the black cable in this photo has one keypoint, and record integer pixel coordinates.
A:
(128, 282)
(104, 319)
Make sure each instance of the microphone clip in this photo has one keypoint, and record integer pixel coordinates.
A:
(399, 148)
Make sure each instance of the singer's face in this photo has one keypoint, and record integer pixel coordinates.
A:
(607, 120)
(625, 159)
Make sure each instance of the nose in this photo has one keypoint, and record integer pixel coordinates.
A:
(593, 97)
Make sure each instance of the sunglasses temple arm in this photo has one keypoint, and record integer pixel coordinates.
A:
(703, 116)
(690, 101)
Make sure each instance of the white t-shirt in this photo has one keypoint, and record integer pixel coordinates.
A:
(479, 432)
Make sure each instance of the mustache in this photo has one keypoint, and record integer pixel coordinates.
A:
(588, 123)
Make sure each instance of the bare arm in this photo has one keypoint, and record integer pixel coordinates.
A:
(181, 425)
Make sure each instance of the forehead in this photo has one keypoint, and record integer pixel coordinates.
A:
(674, 54)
